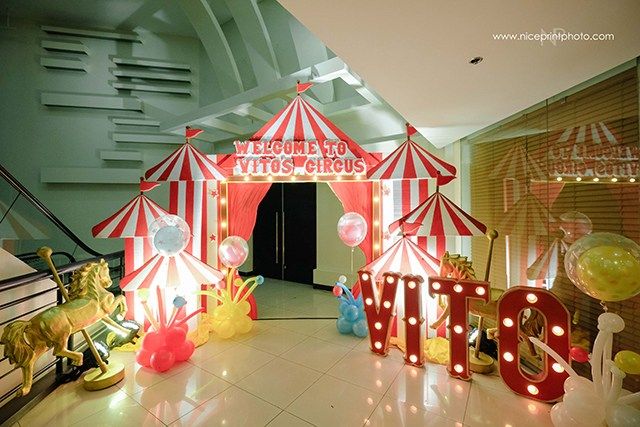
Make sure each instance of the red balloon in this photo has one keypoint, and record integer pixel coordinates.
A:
(185, 351)
(143, 357)
(162, 360)
(152, 341)
(337, 291)
(175, 337)
(184, 326)
(579, 354)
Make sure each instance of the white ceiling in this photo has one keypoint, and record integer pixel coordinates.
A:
(415, 53)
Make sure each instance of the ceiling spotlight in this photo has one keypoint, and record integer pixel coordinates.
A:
(596, 179)
(632, 180)
(578, 179)
(476, 60)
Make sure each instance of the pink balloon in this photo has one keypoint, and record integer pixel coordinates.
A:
(152, 341)
(352, 229)
(162, 360)
(337, 291)
(185, 351)
(143, 357)
(579, 354)
(233, 251)
(175, 337)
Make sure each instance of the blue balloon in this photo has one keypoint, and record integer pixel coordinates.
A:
(343, 325)
(360, 328)
(259, 280)
(351, 313)
(343, 307)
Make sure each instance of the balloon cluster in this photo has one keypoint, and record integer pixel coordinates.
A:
(167, 343)
(352, 318)
(605, 266)
(231, 315)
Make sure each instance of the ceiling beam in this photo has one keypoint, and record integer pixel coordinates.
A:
(215, 44)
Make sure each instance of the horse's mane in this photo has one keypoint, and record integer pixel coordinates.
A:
(460, 263)
(85, 275)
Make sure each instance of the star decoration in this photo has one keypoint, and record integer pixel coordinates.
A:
(386, 190)
(213, 193)
(386, 235)
(212, 238)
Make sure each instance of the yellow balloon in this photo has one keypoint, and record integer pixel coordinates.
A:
(628, 362)
(244, 324)
(226, 329)
(244, 307)
(608, 273)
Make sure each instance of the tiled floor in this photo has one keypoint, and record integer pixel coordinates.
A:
(282, 299)
(290, 373)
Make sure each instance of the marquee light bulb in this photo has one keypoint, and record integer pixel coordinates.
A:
(387, 304)
(376, 199)
(365, 276)
(413, 358)
(557, 331)
(223, 224)
(435, 285)
(596, 179)
(378, 345)
(614, 179)
(412, 320)
(246, 178)
(389, 279)
(457, 288)
(378, 325)
(368, 301)
(532, 389)
(457, 329)
(557, 367)
(578, 178)
(411, 284)
(632, 180)
(559, 178)
(376, 246)
(223, 201)
(458, 368)
(480, 290)
(508, 322)
(507, 356)
(532, 298)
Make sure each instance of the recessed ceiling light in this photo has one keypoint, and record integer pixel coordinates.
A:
(476, 60)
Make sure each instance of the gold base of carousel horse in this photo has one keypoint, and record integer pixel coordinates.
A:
(95, 379)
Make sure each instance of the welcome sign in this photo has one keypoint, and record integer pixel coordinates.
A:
(289, 158)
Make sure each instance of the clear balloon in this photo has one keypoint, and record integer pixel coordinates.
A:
(170, 234)
(575, 225)
(352, 229)
(605, 266)
(233, 251)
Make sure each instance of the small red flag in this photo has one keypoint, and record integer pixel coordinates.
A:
(411, 130)
(192, 132)
(147, 185)
(301, 87)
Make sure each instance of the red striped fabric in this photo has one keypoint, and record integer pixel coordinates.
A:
(132, 220)
(404, 257)
(438, 216)
(411, 161)
(187, 163)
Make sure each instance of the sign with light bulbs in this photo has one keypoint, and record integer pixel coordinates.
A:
(380, 308)
(289, 158)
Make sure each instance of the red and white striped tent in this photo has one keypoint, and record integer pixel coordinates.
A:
(528, 217)
(590, 134)
(182, 270)
(546, 265)
(300, 121)
(404, 257)
(132, 220)
(516, 164)
(187, 163)
(410, 161)
(438, 216)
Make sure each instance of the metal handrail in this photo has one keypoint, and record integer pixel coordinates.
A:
(4, 173)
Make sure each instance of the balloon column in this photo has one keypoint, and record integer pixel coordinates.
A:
(231, 315)
(167, 343)
(607, 267)
(352, 318)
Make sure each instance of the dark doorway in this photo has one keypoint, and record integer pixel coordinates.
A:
(284, 238)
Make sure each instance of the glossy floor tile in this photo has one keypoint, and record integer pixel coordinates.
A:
(290, 373)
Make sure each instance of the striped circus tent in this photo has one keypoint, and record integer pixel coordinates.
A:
(410, 161)
(546, 265)
(14, 226)
(300, 121)
(590, 134)
(404, 257)
(528, 217)
(132, 220)
(516, 164)
(187, 163)
(438, 216)
(182, 270)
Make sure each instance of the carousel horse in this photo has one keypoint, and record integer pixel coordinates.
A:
(89, 302)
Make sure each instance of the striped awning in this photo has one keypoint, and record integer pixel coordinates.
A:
(517, 164)
(182, 270)
(590, 134)
(411, 161)
(404, 257)
(438, 216)
(132, 220)
(528, 217)
(547, 263)
(300, 121)
(187, 163)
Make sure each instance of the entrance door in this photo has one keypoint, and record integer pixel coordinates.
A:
(284, 239)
